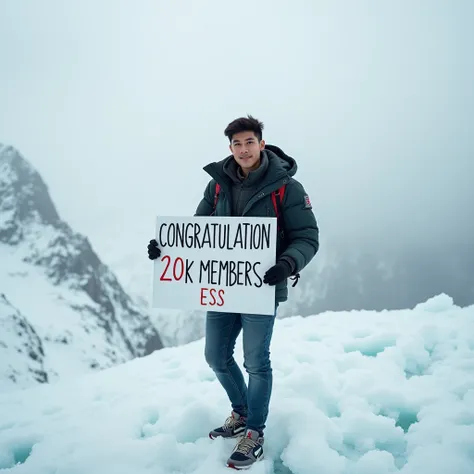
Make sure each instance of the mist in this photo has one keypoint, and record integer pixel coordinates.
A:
(119, 105)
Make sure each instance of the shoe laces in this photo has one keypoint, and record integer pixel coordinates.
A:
(245, 445)
(231, 421)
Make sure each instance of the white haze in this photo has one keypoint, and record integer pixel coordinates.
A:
(119, 105)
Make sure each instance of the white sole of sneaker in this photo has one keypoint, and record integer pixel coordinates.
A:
(243, 468)
(239, 435)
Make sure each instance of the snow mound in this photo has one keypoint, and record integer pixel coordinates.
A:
(354, 393)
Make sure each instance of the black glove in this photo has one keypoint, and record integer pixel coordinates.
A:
(153, 251)
(277, 273)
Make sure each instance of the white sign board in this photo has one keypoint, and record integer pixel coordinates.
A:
(215, 264)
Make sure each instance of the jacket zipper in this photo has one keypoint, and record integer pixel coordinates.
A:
(260, 196)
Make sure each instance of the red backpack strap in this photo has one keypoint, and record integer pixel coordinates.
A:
(216, 194)
(277, 205)
(280, 192)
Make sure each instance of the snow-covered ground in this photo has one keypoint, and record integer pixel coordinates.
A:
(354, 393)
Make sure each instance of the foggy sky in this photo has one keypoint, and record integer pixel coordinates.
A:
(120, 104)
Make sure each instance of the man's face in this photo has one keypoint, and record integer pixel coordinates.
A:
(246, 150)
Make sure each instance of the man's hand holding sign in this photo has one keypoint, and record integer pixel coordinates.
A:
(219, 263)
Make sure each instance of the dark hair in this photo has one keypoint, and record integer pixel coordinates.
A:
(243, 124)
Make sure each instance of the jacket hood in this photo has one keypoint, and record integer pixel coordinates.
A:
(286, 162)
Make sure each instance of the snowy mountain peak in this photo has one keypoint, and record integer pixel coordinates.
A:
(53, 282)
(24, 197)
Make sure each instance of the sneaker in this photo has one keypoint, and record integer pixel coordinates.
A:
(247, 451)
(233, 427)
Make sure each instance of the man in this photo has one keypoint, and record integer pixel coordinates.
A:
(247, 179)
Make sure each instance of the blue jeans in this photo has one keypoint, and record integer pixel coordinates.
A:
(222, 330)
